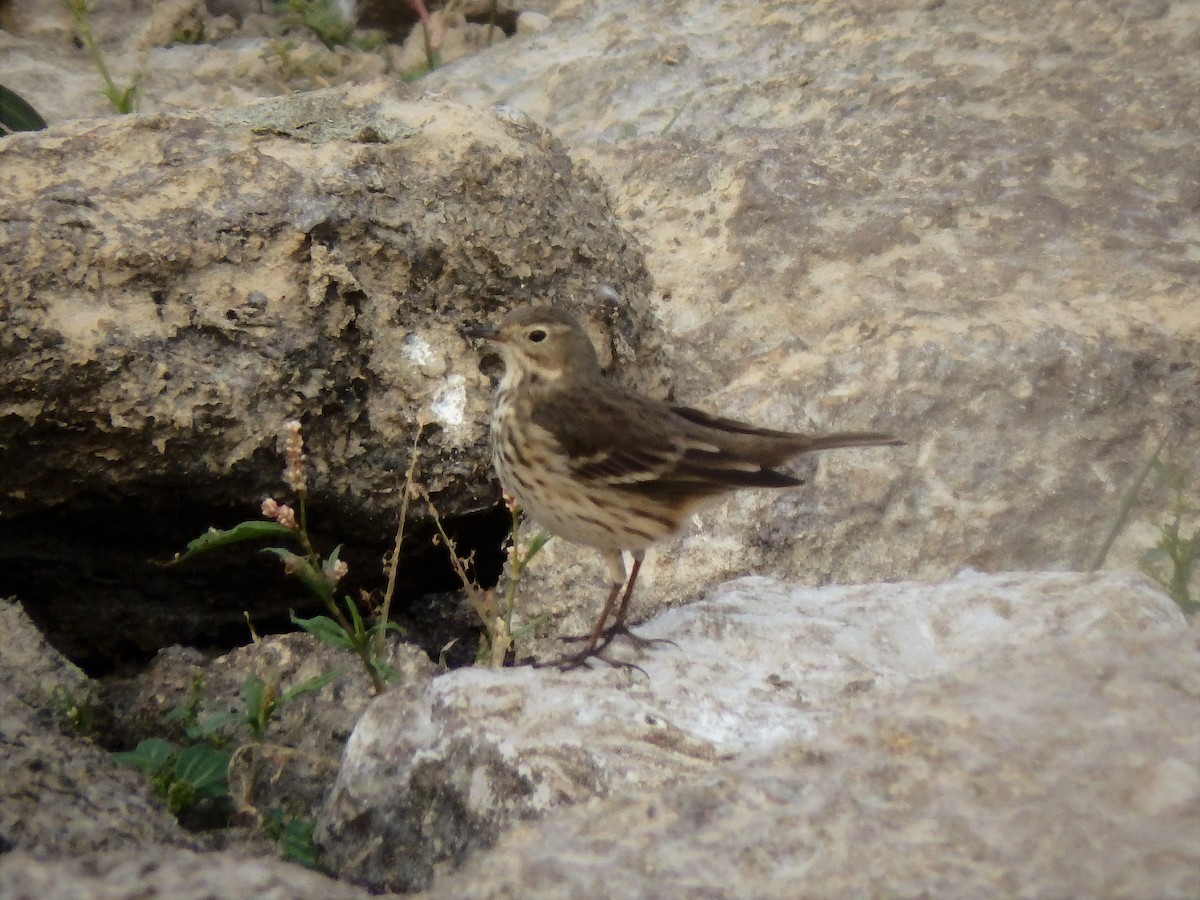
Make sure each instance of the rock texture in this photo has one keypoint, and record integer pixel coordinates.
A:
(973, 224)
(1067, 768)
(176, 288)
(431, 777)
(165, 873)
(61, 795)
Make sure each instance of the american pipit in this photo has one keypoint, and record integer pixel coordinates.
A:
(600, 465)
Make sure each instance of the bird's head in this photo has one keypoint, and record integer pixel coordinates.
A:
(542, 343)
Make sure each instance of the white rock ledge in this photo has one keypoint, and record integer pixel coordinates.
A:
(432, 775)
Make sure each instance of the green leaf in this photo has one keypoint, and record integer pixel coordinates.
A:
(212, 724)
(299, 567)
(180, 796)
(253, 691)
(180, 714)
(294, 835)
(297, 844)
(206, 769)
(16, 114)
(151, 755)
(388, 626)
(385, 670)
(126, 101)
(355, 619)
(331, 563)
(309, 685)
(539, 540)
(246, 531)
(325, 630)
(529, 627)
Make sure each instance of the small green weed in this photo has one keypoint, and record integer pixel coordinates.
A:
(1172, 560)
(186, 776)
(294, 835)
(74, 712)
(496, 614)
(124, 100)
(182, 776)
(320, 575)
(324, 21)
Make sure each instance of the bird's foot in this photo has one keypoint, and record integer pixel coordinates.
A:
(620, 629)
(582, 660)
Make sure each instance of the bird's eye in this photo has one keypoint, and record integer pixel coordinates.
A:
(537, 335)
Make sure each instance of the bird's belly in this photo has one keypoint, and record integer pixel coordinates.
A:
(581, 512)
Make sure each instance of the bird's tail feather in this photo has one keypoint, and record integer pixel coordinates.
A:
(848, 439)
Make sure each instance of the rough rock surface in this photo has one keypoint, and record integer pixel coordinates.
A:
(973, 224)
(1063, 768)
(61, 795)
(294, 764)
(430, 777)
(176, 288)
(166, 873)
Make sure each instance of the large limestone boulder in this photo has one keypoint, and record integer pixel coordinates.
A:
(175, 288)
(969, 223)
(432, 777)
(1064, 768)
(62, 795)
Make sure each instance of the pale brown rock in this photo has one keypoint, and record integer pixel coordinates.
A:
(61, 794)
(1064, 767)
(432, 777)
(165, 873)
(176, 288)
(971, 224)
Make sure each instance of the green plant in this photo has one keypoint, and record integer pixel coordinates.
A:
(432, 42)
(496, 614)
(264, 698)
(190, 33)
(294, 835)
(185, 776)
(75, 713)
(123, 100)
(344, 629)
(1172, 560)
(182, 776)
(323, 19)
(16, 114)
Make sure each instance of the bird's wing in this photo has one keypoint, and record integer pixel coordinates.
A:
(626, 440)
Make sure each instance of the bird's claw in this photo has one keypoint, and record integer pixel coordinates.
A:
(583, 659)
(620, 630)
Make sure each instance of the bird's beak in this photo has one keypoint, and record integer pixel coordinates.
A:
(482, 333)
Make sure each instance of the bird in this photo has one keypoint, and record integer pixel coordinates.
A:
(598, 464)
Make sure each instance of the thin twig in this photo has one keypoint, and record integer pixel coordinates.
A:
(385, 610)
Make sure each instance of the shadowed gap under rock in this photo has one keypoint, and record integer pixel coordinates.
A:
(91, 576)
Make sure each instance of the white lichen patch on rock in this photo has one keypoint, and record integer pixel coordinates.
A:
(450, 402)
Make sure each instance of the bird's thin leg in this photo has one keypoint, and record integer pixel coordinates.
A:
(618, 626)
(598, 638)
(623, 609)
(602, 634)
(616, 579)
